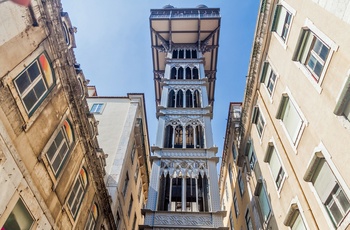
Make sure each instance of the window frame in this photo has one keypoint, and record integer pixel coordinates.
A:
(68, 139)
(266, 74)
(321, 154)
(46, 75)
(97, 108)
(260, 187)
(79, 181)
(240, 182)
(282, 173)
(342, 107)
(259, 121)
(294, 211)
(248, 220)
(277, 19)
(285, 100)
(309, 29)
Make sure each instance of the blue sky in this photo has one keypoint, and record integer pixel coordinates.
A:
(114, 50)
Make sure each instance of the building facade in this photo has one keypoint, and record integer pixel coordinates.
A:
(183, 191)
(50, 173)
(123, 136)
(294, 140)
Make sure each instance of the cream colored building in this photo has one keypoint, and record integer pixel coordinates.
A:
(51, 175)
(295, 139)
(123, 136)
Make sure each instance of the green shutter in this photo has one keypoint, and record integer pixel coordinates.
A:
(264, 72)
(276, 17)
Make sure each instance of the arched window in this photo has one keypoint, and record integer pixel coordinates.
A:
(188, 73)
(180, 73)
(92, 217)
(77, 192)
(194, 53)
(199, 137)
(191, 195)
(188, 53)
(168, 137)
(195, 73)
(179, 99)
(178, 138)
(173, 73)
(189, 137)
(189, 100)
(175, 52)
(59, 149)
(196, 99)
(171, 99)
(181, 54)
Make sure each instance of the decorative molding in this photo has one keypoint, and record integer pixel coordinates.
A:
(182, 220)
(184, 120)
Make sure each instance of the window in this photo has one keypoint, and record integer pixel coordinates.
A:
(96, 108)
(251, 155)
(294, 219)
(234, 151)
(328, 188)
(231, 222)
(34, 83)
(282, 22)
(77, 193)
(139, 192)
(136, 175)
(268, 77)
(248, 221)
(134, 223)
(92, 218)
(264, 202)
(132, 155)
(291, 119)
(235, 203)
(258, 120)
(19, 218)
(58, 151)
(130, 205)
(276, 168)
(126, 182)
(117, 223)
(313, 51)
(230, 173)
(343, 103)
(240, 182)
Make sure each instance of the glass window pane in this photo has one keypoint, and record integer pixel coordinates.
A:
(30, 100)
(33, 71)
(292, 121)
(40, 88)
(298, 224)
(19, 218)
(22, 82)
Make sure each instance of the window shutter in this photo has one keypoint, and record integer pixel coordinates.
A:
(255, 114)
(282, 107)
(247, 148)
(291, 120)
(275, 164)
(276, 17)
(264, 72)
(303, 44)
(324, 180)
(281, 19)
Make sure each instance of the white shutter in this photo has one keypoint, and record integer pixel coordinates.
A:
(281, 19)
(292, 121)
(324, 180)
(275, 164)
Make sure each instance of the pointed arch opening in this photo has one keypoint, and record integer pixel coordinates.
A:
(188, 73)
(168, 137)
(181, 54)
(179, 99)
(194, 53)
(175, 53)
(164, 193)
(180, 73)
(199, 137)
(178, 137)
(189, 100)
(173, 73)
(196, 99)
(195, 73)
(189, 137)
(171, 99)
